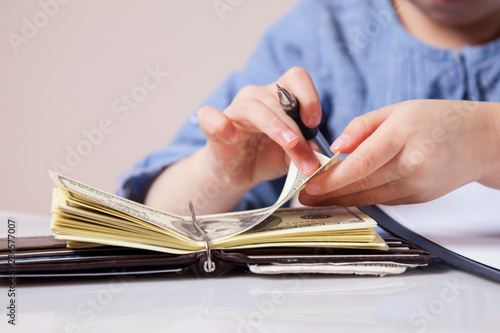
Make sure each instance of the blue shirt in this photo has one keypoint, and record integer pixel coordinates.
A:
(360, 58)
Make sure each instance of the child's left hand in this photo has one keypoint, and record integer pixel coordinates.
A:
(412, 152)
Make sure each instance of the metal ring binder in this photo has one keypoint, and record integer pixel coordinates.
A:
(209, 265)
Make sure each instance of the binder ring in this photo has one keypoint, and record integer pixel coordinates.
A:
(209, 265)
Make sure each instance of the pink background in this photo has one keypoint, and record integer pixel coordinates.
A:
(62, 77)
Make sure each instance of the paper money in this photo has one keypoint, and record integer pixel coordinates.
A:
(220, 226)
(217, 226)
(324, 226)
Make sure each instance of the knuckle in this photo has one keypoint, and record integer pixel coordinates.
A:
(365, 198)
(361, 122)
(409, 104)
(297, 71)
(362, 164)
(364, 184)
(328, 182)
(248, 104)
(406, 168)
(248, 91)
(390, 176)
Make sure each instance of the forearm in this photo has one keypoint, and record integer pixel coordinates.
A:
(191, 179)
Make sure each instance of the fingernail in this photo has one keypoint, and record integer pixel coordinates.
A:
(314, 120)
(308, 164)
(312, 188)
(337, 144)
(288, 135)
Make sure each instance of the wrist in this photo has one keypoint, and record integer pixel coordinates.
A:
(491, 176)
(224, 178)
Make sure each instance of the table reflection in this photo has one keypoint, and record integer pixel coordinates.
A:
(433, 298)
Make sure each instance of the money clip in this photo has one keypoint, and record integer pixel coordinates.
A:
(209, 265)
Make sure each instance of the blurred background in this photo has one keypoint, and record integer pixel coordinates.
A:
(67, 67)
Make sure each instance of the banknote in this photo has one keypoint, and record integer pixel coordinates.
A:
(323, 226)
(216, 226)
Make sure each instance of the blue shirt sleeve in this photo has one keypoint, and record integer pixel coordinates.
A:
(289, 42)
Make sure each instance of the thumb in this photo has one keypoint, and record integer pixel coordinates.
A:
(359, 129)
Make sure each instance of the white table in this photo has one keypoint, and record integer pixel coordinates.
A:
(437, 298)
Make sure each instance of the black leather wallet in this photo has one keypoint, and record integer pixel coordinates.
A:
(46, 256)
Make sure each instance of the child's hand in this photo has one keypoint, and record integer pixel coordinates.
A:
(253, 139)
(412, 152)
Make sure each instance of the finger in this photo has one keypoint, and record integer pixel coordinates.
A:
(298, 81)
(216, 125)
(359, 129)
(253, 116)
(313, 146)
(391, 192)
(377, 150)
(392, 171)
